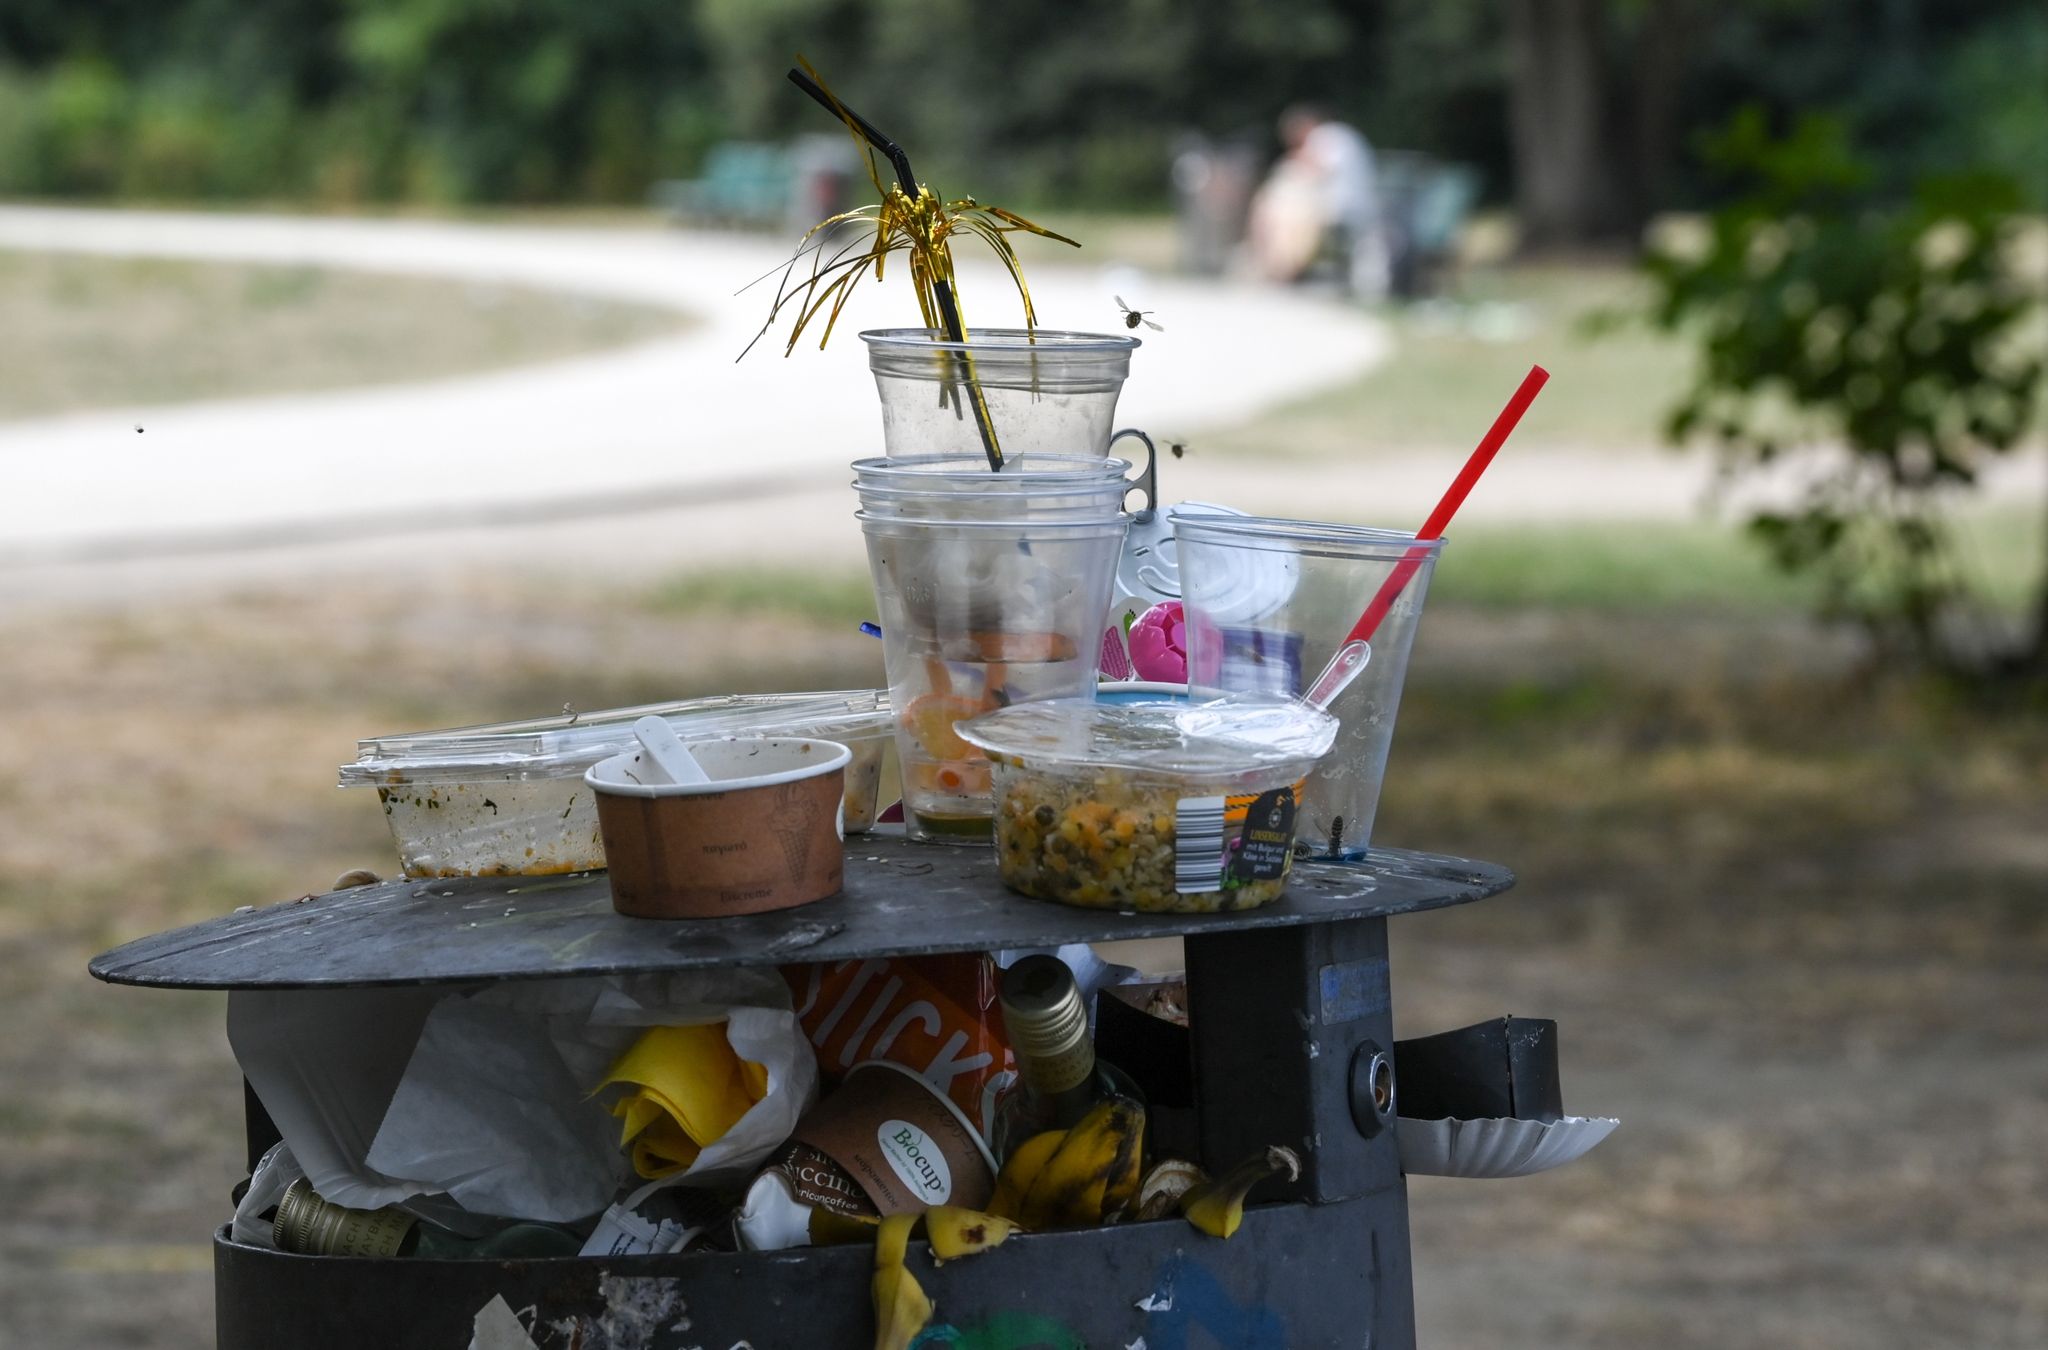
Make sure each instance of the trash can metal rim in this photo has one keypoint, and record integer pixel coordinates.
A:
(900, 899)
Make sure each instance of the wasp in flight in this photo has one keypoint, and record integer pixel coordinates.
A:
(1134, 317)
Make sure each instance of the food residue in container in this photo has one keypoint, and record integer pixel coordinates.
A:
(1165, 806)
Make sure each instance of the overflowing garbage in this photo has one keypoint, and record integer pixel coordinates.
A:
(969, 1095)
(718, 1111)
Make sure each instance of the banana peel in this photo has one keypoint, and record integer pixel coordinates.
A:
(957, 1232)
(829, 1229)
(901, 1308)
(1094, 1172)
(1217, 1207)
(1159, 1194)
(1081, 1177)
(1020, 1169)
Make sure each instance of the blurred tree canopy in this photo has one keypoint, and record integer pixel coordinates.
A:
(1607, 95)
(1575, 109)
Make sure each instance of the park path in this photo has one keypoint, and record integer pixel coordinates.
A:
(667, 455)
(664, 421)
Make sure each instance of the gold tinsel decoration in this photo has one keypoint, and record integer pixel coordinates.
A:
(922, 226)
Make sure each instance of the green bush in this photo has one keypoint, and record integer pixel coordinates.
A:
(82, 124)
(21, 149)
(1887, 348)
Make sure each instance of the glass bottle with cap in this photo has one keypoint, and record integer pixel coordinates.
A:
(312, 1226)
(1058, 1075)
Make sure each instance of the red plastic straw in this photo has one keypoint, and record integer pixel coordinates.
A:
(1453, 498)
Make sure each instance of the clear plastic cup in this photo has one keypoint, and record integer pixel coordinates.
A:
(961, 487)
(1070, 504)
(978, 615)
(1047, 392)
(1268, 603)
(970, 473)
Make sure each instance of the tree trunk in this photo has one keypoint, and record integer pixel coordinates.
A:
(1565, 184)
(1657, 69)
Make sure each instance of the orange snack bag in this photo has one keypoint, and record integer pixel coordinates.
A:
(934, 1015)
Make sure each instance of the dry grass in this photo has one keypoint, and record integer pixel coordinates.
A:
(1455, 353)
(79, 332)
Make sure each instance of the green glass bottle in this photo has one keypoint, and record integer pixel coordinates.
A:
(1058, 1075)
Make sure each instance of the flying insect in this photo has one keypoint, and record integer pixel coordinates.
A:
(1134, 317)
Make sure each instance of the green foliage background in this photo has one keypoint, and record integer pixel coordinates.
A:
(351, 101)
(1906, 333)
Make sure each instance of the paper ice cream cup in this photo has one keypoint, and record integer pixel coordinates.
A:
(765, 833)
(904, 1145)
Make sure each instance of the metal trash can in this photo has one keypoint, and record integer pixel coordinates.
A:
(1292, 1039)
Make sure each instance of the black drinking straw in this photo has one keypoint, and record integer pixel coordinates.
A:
(942, 293)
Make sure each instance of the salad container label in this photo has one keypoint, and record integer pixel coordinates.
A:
(1224, 843)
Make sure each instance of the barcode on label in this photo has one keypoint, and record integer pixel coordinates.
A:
(1198, 844)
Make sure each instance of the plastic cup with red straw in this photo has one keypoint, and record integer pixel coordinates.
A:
(1355, 651)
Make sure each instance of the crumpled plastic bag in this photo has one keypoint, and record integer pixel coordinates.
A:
(325, 1063)
(490, 1112)
(493, 1104)
(268, 1181)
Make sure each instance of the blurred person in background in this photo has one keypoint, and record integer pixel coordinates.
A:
(1320, 202)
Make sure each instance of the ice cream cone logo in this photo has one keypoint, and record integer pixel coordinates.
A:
(794, 825)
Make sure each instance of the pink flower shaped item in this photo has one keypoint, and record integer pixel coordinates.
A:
(1159, 643)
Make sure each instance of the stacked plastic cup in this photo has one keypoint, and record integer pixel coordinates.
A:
(1268, 603)
(960, 487)
(1046, 392)
(992, 589)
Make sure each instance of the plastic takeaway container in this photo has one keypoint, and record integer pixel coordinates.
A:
(1162, 805)
(508, 799)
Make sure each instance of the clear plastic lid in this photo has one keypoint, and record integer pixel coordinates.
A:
(1233, 734)
(565, 745)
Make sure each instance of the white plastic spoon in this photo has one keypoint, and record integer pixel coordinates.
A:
(666, 754)
(1344, 667)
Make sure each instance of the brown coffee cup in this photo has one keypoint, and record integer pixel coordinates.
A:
(903, 1144)
(765, 833)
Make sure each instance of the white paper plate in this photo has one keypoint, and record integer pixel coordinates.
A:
(1496, 1148)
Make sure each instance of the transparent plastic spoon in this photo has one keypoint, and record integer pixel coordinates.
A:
(669, 755)
(1344, 667)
